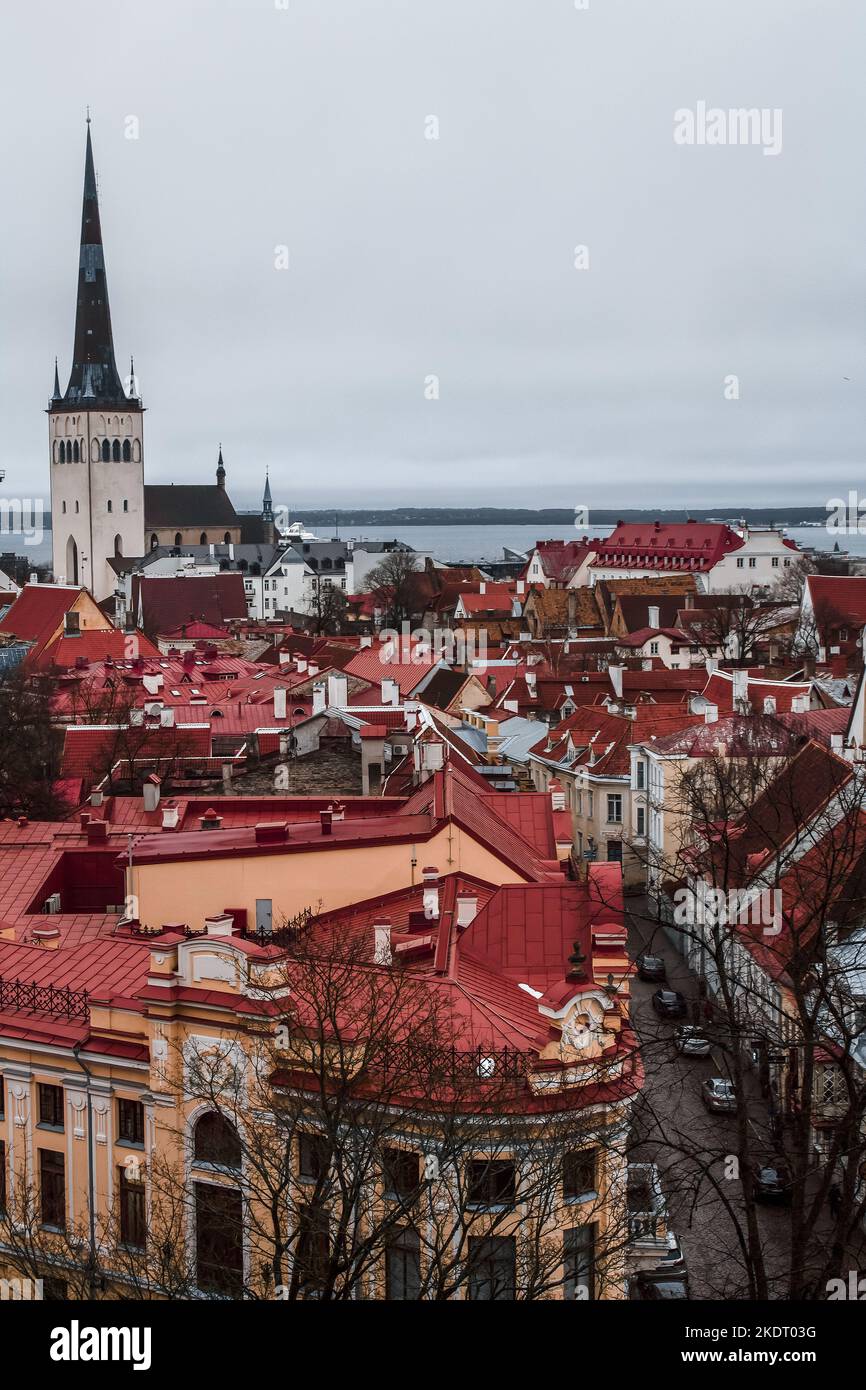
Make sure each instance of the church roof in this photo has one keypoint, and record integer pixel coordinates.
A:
(94, 378)
(187, 504)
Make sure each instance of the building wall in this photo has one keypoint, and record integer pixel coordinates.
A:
(192, 535)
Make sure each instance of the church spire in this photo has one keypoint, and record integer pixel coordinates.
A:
(94, 375)
(221, 470)
(56, 395)
(267, 504)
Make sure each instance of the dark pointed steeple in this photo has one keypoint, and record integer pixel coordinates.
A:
(94, 377)
(221, 471)
(56, 395)
(267, 503)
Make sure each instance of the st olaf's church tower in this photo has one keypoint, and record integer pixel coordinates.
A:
(95, 432)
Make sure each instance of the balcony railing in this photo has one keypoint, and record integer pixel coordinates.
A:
(27, 996)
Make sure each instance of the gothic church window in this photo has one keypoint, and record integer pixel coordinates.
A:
(115, 451)
(127, 451)
(106, 451)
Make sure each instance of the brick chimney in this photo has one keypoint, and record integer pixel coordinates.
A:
(430, 878)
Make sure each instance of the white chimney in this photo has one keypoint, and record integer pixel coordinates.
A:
(390, 692)
(382, 943)
(482, 587)
(301, 663)
(615, 674)
(467, 907)
(521, 586)
(338, 691)
(320, 702)
(800, 704)
(653, 615)
(312, 668)
(557, 795)
(366, 641)
(170, 816)
(166, 718)
(153, 682)
(711, 714)
(769, 704)
(430, 878)
(150, 792)
(531, 684)
(433, 755)
(740, 686)
(279, 702)
(837, 743)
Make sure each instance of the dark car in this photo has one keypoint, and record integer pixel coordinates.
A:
(719, 1095)
(658, 1285)
(691, 1041)
(771, 1182)
(650, 967)
(669, 1003)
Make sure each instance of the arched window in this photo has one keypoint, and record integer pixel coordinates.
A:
(64, 508)
(76, 506)
(326, 564)
(109, 504)
(125, 505)
(178, 538)
(154, 541)
(115, 451)
(106, 451)
(202, 540)
(216, 1141)
(118, 545)
(227, 539)
(76, 455)
(62, 452)
(127, 451)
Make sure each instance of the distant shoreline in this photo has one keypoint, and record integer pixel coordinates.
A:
(550, 516)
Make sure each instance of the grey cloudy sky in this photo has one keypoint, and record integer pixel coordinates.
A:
(305, 126)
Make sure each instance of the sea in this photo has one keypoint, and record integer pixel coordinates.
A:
(470, 543)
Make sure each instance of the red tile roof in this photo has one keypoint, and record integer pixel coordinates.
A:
(688, 545)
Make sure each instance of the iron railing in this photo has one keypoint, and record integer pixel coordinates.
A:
(27, 995)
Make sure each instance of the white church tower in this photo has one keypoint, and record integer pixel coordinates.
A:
(95, 432)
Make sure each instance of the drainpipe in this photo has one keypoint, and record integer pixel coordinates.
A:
(92, 1263)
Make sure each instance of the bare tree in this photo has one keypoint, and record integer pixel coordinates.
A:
(29, 748)
(392, 583)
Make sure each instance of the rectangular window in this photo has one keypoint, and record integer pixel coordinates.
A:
(641, 821)
(52, 1182)
(492, 1183)
(775, 562)
(133, 1220)
(312, 1251)
(400, 1171)
(219, 1239)
(2, 1176)
(130, 1121)
(752, 563)
(654, 648)
(591, 796)
(403, 1266)
(739, 564)
(2, 1099)
(579, 1173)
(614, 851)
(614, 807)
(491, 1268)
(641, 774)
(312, 1156)
(51, 1106)
(578, 1257)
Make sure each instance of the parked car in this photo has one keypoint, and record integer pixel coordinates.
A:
(669, 1003)
(771, 1182)
(691, 1041)
(650, 967)
(719, 1095)
(656, 1284)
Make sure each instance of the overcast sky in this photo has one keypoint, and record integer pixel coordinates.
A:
(306, 127)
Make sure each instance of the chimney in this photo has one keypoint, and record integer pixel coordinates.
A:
(279, 702)
(97, 832)
(557, 795)
(211, 820)
(153, 682)
(326, 817)
(482, 587)
(615, 674)
(390, 692)
(800, 704)
(653, 615)
(301, 664)
(521, 586)
(430, 877)
(170, 815)
(769, 704)
(320, 703)
(150, 792)
(740, 687)
(531, 684)
(96, 798)
(166, 718)
(227, 777)
(312, 668)
(711, 714)
(467, 907)
(338, 691)
(837, 743)
(366, 641)
(382, 943)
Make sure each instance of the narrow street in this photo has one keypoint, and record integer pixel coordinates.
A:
(695, 1149)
